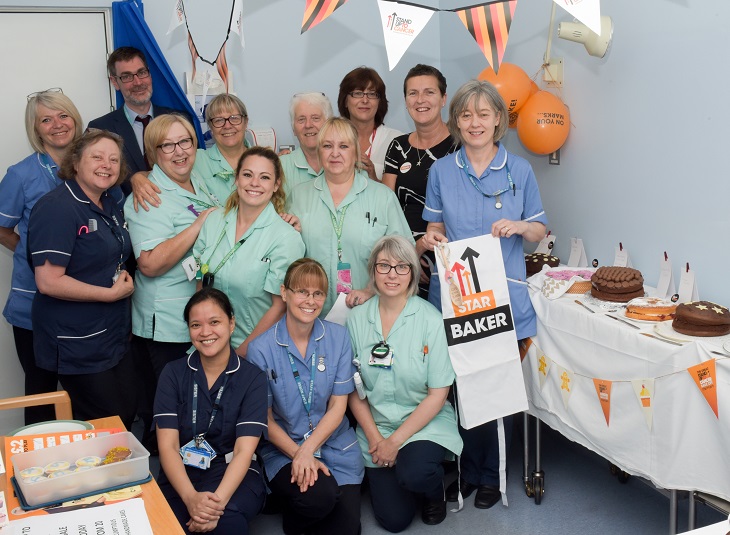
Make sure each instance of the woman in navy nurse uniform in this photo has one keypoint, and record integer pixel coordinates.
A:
(216, 401)
(312, 459)
(78, 244)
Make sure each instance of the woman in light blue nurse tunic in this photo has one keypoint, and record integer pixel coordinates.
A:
(312, 459)
(246, 249)
(406, 426)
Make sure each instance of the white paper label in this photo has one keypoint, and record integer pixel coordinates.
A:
(546, 244)
(688, 287)
(577, 253)
(665, 286)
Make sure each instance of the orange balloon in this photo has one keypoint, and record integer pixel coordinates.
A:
(533, 88)
(544, 123)
(513, 115)
(512, 83)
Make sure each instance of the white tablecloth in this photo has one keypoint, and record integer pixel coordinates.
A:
(688, 448)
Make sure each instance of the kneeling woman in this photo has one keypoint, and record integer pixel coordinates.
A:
(405, 425)
(313, 460)
(216, 401)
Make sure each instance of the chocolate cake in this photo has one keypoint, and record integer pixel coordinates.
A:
(535, 261)
(617, 284)
(702, 318)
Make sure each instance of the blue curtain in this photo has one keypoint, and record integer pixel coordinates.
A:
(130, 29)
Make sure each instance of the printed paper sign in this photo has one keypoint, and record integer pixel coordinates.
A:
(706, 380)
(688, 286)
(401, 24)
(665, 287)
(480, 330)
(578, 256)
(546, 244)
(603, 390)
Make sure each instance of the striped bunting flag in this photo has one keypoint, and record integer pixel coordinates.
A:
(489, 26)
(318, 10)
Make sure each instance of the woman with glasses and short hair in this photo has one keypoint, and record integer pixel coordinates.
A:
(52, 123)
(245, 249)
(406, 426)
(312, 460)
(362, 99)
(163, 240)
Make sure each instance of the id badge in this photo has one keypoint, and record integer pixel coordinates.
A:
(383, 359)
(344, 278)
(191, 267)
(195, 457)
(317, 454)
(117, 273)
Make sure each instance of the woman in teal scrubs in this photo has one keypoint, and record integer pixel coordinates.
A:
(343, 214)
(406, 426)
(246, 249)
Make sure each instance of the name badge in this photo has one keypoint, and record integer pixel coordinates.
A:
(317, 454)
(344, 278)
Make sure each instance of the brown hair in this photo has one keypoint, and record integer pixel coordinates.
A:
(278, 199)
(75, 151)
(361, 78)
(124, 53)
(306, 271)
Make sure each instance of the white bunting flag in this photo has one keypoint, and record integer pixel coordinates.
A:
(178, 16)
(565, 379)
(644, 390)
(586, 11)
(237, 21)
(543, 368)
(401, 24)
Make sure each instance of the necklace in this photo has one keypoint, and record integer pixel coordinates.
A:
(418, 153)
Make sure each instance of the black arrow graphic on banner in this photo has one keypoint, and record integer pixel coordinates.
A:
(469, 255)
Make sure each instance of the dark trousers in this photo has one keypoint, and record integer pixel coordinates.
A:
(107, 393)
(480, 456)
(394, 491)
(37, 380)
(324, 509)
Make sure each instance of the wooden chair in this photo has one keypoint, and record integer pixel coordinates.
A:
(59, 399)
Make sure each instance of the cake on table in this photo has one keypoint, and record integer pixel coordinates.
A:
(617, 284)
(702, 318)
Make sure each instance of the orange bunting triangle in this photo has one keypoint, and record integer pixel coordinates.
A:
(603, 389)
(706, 380)
(489, 25)
(317, 10)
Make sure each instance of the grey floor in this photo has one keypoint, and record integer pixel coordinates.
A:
(581, 496)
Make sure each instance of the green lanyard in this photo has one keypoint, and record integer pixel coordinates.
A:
(337, 225)
(206, 268)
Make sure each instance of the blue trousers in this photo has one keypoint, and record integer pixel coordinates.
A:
(480, 456)
(394, 491)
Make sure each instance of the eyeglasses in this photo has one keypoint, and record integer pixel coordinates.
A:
(302, 294)
(51, 90)
(219, 122)
(129, 76)
(169, 148)
(400, 269)
(372, 95)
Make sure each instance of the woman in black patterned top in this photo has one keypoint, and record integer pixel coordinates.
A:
(410, 156)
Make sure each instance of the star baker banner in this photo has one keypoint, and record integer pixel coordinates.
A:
(480, 331)
(489, 25)
(317, 10)
(401, 25)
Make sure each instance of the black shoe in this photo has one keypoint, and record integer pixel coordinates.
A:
(433, 512)
(452, 491)
(486, 497)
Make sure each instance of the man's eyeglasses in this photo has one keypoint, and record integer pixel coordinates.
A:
(169, 148)
(400, 269)
(219, 122)
(372, 95)
(129, 76)
(51, 90)
(301, 293)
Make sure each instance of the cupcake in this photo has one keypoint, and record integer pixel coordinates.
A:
(33, 471)
(90, 461)
(57, 467)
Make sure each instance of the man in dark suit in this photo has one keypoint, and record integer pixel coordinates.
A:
(129, 74)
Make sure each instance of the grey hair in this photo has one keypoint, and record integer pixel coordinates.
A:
(471, 93)
(401, 249)
(319, 100)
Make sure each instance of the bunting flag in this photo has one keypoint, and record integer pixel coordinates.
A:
(178, 16)
(644, 390)
(236, 25)
(401, 25)
(603, 389)
(543, 368)
(317, 10)
(489, 26)
(566, 384)
(586, 11)
(706, 380)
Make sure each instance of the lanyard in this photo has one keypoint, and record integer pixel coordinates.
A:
(307, 401)
(479, 189)
(45, 161)
(212, 414)
(118, 234)
(337, 225)
(229, 254)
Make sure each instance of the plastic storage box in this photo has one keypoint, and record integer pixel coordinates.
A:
(99, 478)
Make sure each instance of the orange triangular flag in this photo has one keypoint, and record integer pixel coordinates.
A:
(317, 10)
(603, 389)
(489, 25)
(706, 380)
